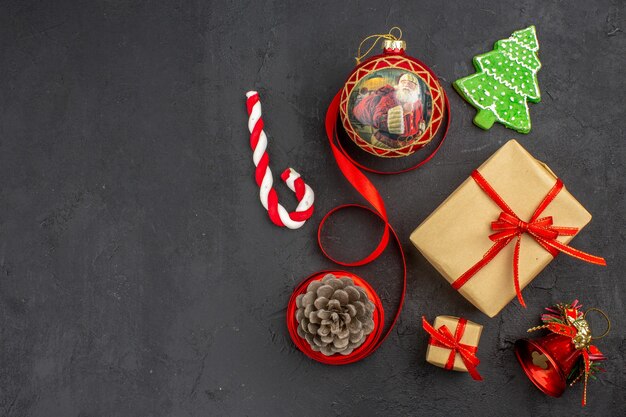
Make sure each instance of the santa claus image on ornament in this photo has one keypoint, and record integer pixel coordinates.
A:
(391, 108)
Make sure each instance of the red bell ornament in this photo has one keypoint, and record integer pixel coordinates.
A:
(547, 361)
(566, 355)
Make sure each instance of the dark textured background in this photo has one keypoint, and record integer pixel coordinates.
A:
(139, 275)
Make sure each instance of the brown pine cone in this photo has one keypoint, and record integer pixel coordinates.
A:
(334, 315)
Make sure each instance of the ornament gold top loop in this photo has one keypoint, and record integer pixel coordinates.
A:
(399, 32)
(608, 321)
(377, 37)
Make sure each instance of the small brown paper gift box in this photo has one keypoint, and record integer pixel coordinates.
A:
(439, 356)
(456, 235)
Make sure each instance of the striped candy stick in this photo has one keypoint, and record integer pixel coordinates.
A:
(263, 174)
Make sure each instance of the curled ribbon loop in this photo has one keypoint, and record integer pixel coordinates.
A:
(351, 170)
(509, 227)
(442, 337)
(367, 190)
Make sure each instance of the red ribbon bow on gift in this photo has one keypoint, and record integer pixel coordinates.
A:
(442, 337)
(509, 226)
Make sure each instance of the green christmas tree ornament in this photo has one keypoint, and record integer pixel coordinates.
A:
(505, 81)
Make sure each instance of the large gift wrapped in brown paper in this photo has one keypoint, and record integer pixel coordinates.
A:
(503, 225)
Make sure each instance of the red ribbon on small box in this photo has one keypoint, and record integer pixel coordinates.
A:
(509, 226)
(442, 337)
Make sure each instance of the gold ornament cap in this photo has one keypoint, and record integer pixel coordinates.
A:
(394, 44)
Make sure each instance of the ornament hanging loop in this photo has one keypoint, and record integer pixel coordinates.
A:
(606, 317)
(377, 37)
(399, 37)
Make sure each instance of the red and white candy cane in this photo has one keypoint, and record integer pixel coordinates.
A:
(264, 179)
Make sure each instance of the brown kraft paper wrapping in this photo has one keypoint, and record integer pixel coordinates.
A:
(456, 235)
(439, 355)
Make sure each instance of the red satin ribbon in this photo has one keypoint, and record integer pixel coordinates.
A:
(509, 227)
(442, 337)
(364, 187)
(350, 170)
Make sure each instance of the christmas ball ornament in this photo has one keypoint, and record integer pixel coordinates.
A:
(391, 104)
(334, 315)
(564, 356)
